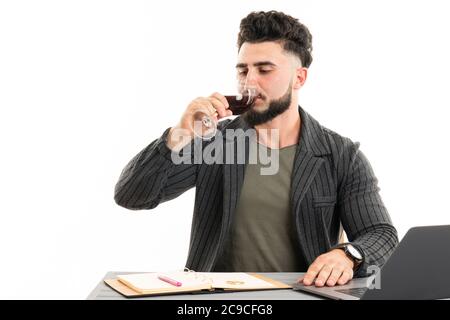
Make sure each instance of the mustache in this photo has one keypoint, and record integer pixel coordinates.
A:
(258, 94)
(254, 92)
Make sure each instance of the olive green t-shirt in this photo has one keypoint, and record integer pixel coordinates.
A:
(262, 237)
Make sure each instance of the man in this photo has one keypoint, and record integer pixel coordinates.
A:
(288, 221)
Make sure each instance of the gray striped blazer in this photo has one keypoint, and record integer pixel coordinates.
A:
(333, 189)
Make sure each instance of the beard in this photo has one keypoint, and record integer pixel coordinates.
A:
(276, 107)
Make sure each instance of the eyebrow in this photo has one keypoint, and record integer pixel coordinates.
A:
(256, 64)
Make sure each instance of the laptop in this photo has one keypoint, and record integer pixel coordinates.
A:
(418, 269)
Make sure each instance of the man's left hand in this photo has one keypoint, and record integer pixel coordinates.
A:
(331, 268)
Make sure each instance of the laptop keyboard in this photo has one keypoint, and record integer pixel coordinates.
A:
(355, 292)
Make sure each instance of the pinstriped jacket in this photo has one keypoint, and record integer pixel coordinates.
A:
(333, 188)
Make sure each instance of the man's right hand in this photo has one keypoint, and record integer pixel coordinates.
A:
(216, 105)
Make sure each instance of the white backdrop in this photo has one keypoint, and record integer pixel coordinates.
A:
(85, 85)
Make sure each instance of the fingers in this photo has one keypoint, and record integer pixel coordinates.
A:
(220, 103)
(328, 269)
(312, 273)
(345, 277)
(328, 275)
(218, 106)
(334, 276)
(323, 275)
(221, 98)
(200, 118)
(202, 104)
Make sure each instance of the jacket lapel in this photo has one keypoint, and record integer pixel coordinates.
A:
(307, 162)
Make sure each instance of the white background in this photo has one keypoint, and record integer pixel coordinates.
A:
(85, 85)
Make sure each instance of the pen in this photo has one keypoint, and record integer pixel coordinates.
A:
(171, 281)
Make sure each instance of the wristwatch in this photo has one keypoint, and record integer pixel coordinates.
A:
(352, 253)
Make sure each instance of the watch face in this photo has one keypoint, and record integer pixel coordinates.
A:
(354, 252)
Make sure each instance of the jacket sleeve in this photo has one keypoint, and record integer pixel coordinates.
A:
(151, 177)
(364, 217)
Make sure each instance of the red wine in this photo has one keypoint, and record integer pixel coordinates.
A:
(239, 106)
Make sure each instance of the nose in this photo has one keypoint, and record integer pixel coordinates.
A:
(251, 80)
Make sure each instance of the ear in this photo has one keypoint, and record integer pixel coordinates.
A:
(300, 77)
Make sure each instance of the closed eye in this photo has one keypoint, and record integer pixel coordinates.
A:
(243, 73)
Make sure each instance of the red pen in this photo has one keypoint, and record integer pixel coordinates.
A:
(171, 281)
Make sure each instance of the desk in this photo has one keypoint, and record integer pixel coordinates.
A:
(104, 292)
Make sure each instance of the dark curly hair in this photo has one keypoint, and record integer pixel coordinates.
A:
(276, 26)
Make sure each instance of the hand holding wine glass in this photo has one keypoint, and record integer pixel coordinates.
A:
(202, 115)
(204, 123)
(199, 119)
